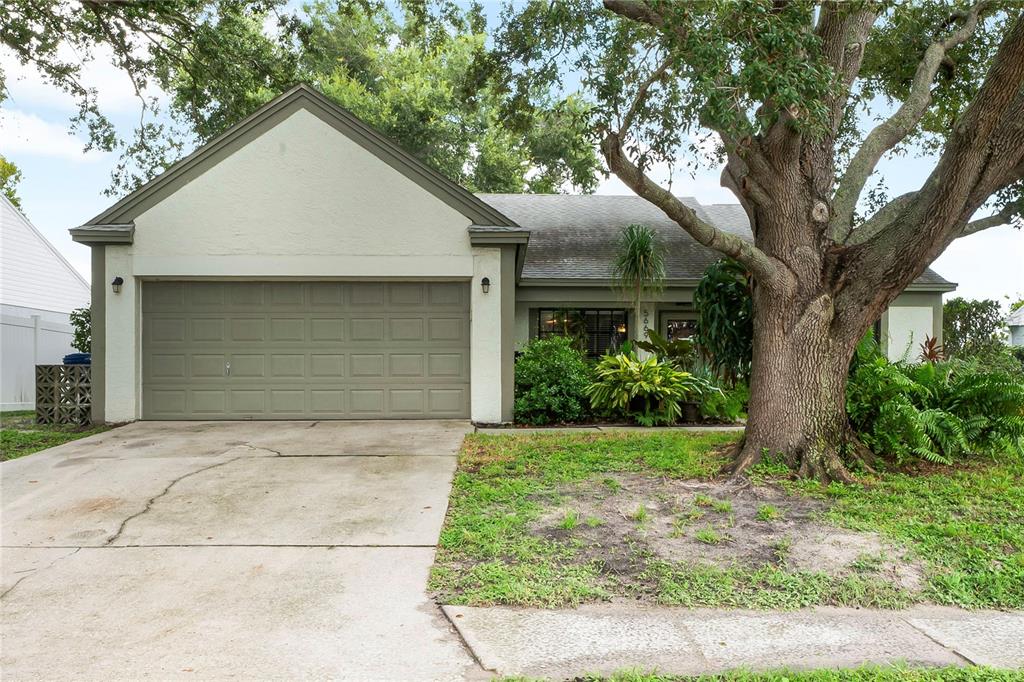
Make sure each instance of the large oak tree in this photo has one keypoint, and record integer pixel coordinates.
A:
(789, 88)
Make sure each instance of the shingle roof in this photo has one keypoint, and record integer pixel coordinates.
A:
(574, 236)
(1016, 318)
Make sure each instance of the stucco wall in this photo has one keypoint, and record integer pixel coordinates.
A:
(912, 317)
(301, 189)
(301, 201)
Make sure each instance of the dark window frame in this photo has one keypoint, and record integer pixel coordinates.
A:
(597, 341)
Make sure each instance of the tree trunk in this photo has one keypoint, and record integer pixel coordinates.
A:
(798, 387)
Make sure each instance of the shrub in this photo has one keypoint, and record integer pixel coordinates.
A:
(971, 328)
(81, 320)
(723, 403)
(725, 322)
(681, 352)
(551, 379)
(648, 391)
(937, 411)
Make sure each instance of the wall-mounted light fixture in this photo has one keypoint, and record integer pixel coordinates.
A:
(485, 284)
(116, 283)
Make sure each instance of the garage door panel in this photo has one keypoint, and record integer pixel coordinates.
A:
(327, 329)
(252, 401)
(318, 349)
(363, 294)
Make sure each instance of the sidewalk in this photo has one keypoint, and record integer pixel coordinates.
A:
(561, 644)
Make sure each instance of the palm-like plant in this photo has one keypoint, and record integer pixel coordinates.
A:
(639, 265)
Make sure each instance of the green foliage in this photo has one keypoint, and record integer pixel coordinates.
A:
(724, 403)
(939, 412)
(10, 176)
(639, 263)
(725, 322)
(648, 391)
(81, 321)
(680, 352)
(551, 380)
(418, 71)
(972, 328)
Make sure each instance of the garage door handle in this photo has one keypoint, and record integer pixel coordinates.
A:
(227, 366)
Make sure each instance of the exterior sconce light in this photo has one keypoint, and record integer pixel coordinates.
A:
(116, 284)
(485, 284)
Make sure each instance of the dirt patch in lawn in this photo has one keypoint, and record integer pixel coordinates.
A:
(621, 520)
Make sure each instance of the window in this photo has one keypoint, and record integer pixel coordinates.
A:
(597, 330)
(677, 328)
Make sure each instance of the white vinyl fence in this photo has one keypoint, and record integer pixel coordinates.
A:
(24, 343)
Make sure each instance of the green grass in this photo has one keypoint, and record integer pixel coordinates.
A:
(966, 525)
(486, 554)
(767, 512)
(710, 536)
(863, 674)
(20, 435)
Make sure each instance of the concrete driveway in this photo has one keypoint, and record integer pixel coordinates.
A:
(262, 550)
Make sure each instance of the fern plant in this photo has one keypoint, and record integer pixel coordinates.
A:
(936, 411)
(649, 391)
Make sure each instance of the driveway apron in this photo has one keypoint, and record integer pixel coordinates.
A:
(250, 550)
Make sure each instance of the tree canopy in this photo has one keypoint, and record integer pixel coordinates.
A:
(10, 176)
(411, 69)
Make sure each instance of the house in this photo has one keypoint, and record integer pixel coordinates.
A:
(38, 289)
(1015, 323)
(303, 266)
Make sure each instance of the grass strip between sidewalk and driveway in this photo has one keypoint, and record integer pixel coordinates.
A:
(559, 519)
(20, 435)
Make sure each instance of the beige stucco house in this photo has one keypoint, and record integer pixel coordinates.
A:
(303, 266)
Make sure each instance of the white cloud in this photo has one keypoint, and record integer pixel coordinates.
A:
(26, 134)
(114, 90)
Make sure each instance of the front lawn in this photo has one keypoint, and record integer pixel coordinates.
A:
(559, 519)
(20, 435)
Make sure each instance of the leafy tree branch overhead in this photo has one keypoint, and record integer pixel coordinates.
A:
(805, 98)
(409, 68)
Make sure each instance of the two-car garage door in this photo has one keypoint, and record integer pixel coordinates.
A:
(292, 350)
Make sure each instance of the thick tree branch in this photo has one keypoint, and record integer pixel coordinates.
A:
(1002, 217)
(763, 268)
(894, 129)
(885, 217)
(641, 95)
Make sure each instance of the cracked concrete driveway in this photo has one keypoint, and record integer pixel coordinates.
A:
(265, 550)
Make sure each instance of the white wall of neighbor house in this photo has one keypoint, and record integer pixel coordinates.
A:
(304, 202)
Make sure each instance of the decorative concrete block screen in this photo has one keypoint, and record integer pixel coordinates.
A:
(63, 394)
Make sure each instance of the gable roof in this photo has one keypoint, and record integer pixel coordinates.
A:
(573, 238)
(299, 97)
(33, 273)
(1016, 318)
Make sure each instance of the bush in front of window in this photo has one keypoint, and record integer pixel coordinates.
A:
(649, 391)
(552, 377)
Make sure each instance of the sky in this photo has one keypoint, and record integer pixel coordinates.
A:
(63, 186)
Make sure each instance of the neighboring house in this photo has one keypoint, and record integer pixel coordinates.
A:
(1015, 323)
(303, 266)
(38, 288)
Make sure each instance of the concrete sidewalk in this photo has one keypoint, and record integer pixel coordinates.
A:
(560, 644)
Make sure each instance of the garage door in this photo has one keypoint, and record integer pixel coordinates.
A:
(293, 350)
